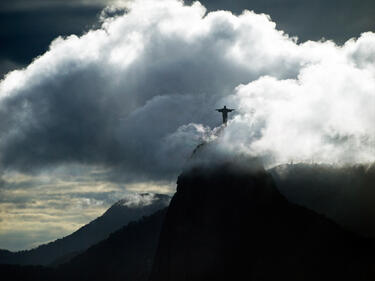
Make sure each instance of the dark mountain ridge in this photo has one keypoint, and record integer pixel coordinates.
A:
(344, 193)
(227, 222)
(62, 250)
(127, 254)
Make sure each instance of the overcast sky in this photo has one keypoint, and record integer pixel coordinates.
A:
(34, 23)
(112, 101)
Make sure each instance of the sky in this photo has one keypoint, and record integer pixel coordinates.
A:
(102, 98)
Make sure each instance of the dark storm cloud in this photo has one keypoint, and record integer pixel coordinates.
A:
(35, 23)
(138, 95)
(27, 33)
(338, 20)
(17, 5)
(115, 113)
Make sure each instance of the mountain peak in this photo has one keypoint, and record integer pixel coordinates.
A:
(228, 221)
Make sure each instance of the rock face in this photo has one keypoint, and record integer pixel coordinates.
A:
(231, 223)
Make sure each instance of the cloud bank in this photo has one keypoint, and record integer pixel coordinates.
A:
(138, 94)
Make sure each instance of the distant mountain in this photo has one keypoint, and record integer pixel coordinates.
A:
(227, 222)
(62, 250)
(127, 254)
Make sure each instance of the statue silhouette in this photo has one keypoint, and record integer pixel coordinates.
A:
(224, 111)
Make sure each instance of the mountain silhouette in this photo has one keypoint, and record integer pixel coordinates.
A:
(127, 254)
(344, 193)
(62, 250)
(226, 221)
(229, 222)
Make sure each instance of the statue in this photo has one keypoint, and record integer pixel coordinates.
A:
(224, 111)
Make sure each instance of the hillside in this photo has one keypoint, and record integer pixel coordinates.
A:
(227, 222)
(62, 250)
(343, 193)
(127, 254)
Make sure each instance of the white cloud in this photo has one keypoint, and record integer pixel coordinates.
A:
(124, 95)
(136, 200)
